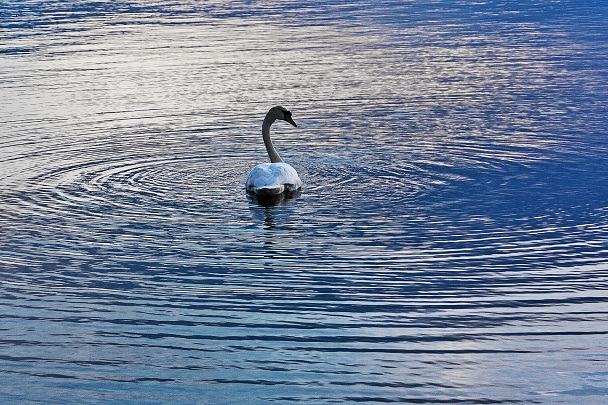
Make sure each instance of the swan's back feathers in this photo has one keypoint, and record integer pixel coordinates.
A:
(273, 179)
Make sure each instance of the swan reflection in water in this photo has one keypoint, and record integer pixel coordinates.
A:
(282, 199)
(265, 208)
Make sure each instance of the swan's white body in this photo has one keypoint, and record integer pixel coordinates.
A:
(273, 179)
(277, 177)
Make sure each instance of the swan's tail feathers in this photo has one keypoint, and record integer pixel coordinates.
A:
(269, 190)
(274, 189)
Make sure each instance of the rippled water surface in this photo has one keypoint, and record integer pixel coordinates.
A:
(450, 244)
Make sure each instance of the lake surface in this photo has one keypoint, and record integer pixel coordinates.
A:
(450, 243)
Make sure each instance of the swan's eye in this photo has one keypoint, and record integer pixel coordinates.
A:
(286, 114)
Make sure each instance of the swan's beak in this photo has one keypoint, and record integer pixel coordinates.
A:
(291, 121)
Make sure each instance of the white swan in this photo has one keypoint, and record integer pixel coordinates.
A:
(277, 177)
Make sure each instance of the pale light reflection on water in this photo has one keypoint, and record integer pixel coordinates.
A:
(450, 243)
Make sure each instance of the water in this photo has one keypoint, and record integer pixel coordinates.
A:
(450, 244)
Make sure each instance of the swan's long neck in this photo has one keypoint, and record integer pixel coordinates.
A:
(272, 152)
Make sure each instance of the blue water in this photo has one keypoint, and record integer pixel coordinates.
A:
(450, 243)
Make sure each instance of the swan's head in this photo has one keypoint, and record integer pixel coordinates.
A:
(282, 113)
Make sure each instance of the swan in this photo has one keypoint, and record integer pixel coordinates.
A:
(277, 177)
